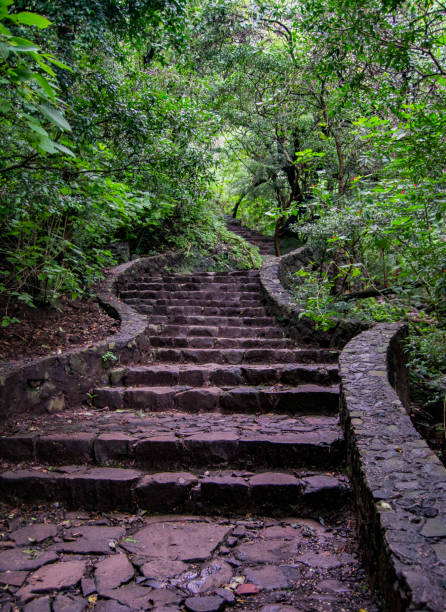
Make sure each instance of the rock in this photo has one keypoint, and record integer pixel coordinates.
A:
(279, 533)
(434, 528)
(333, 586)
(112, 572)
(440, 551)
(56, 576)
(212, 603)
(215, 574)
(248, 589)
(239, 531)
(268, 551)
(324, 560)
(88, 586)
(164, 597)
(227, 595)
(65, 603)
(134, 596)
(278, 608)
(92, 540)
(162, 569)
(33, 533)
(164, 491)
(178, 540)
(111, 606)
(269, 577)
(41, 604)
(12, 578)
(18, 560)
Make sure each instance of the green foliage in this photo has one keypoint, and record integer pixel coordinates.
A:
(114, 147)
(109, 359)
(313, 293)
(427, 360)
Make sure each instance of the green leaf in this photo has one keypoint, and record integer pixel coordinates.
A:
(38, 58)
(5, 106)
(55, 117)
(4, 51)
(45, 85)
(36, 127)
(23, 42)
(63, 149)
(4, 30)
(31, 19)
(56, 62)
(22, 48)
(47, 145)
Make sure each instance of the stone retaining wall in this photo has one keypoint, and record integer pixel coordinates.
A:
(274, 280)
(58, 381)
(398, 481)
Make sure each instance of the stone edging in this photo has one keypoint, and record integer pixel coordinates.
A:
(398, 481)
(57, 381)
(273, 278)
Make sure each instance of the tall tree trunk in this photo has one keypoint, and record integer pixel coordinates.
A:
(237, 204)
(277, 229)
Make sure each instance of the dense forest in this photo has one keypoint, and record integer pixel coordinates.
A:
(319, 122)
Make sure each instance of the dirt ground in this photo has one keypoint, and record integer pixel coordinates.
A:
(47, 330)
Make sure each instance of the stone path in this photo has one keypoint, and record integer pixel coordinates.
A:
(226, 423)
(53, 559)
(264, 243)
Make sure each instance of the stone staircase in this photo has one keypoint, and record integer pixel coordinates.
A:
(264, 243)
(224, 390)
(227, 419)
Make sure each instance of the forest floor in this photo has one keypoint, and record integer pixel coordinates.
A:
(47, 330)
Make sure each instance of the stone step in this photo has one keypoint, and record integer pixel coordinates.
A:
(214, 321)
(211, 342)
(111, 488)
(238, 356)
(240, 287)
(175, 440)
(303, 399)
(197, 280)
(257, 240)
(225, 376)
(229, 276)
(224, 311)
(236, 303)
(218, 332)
(199, 294)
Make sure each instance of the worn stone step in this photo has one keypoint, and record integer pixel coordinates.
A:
(241, 287)
(235, 303)
(229, 274)
(237, 356)
(197, 280)
(224, 311)
(190, 320)
(199, 294)
(304, 399)
(214, 331)
(166, 440)
(212, 342)
(221, 376)
(316, 444)
(111, 488)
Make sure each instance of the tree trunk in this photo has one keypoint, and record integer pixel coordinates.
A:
(276, 236)
(237, 204)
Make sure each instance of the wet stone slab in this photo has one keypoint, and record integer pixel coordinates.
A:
(54, 560)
